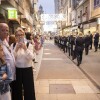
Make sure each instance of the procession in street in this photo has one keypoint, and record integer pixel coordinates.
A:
(50, 50)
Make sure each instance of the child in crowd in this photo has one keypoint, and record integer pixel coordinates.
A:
(5, 77)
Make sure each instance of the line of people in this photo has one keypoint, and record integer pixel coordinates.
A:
(74, 44)
(16, 61)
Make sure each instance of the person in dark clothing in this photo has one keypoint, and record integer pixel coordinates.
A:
(91, 39)
(73, 50)
(72, 41)
(69, 45)
(96, 40)
(66, 44)
(79, 47)
(87, 43)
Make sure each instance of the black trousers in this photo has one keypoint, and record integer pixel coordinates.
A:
(79, 56)
(90, 45)
(96, 45)
(24, 81)
(87, 49)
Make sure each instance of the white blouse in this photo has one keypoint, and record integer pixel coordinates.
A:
(23, 59)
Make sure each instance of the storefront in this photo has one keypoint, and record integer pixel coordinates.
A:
(90, 26)
(13, 20)
(93, 27)
(74, 29)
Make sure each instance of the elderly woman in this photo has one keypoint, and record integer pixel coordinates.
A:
(23, 60)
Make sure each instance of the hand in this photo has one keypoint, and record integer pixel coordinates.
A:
(23, 45)
(4, 76)
(17, 47)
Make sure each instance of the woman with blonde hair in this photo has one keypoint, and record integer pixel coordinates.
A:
(24, 72)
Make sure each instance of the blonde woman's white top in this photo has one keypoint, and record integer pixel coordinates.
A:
(23, 59)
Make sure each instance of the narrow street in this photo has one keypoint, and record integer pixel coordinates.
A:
(40, 40)
(58, 78)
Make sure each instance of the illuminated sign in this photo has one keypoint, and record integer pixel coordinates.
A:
(12, 14)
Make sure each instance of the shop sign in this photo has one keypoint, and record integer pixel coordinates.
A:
(12, 14)
(98, 21)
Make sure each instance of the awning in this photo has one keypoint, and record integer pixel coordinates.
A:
(14, 21)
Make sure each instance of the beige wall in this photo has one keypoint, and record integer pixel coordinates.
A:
(82, 7)
(96, 12)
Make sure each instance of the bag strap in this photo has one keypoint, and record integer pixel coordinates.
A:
(14, 44)
(27, 44)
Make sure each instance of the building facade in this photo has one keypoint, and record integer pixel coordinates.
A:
(82, 15)
(17, 13)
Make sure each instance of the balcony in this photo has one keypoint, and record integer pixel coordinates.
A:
(27, 18)
(80, 2)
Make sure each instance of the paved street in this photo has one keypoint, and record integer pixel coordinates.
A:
(91, 66)
(58, 78)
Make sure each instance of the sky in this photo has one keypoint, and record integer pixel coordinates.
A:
(48, 6)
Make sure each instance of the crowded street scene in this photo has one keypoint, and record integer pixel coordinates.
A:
(49, 49)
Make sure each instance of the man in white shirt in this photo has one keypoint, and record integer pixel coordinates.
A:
(9, 57)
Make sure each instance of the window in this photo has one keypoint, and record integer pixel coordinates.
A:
(96, 3)
(81, 16)
(86, 9)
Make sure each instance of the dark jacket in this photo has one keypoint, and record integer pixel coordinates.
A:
(87, 40)
(96, 37)
(79, 44)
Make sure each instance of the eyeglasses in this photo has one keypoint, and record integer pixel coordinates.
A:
(19, 35)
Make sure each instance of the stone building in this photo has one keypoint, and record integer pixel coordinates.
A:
(82, 15)
(17, 13)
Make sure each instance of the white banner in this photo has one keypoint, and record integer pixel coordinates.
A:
(53, 17)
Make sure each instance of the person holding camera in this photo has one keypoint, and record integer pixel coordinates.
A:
(23, 61)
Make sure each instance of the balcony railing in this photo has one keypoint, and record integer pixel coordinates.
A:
(80, 2)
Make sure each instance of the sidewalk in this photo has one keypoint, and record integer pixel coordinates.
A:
(58, 78)
(91, 66)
